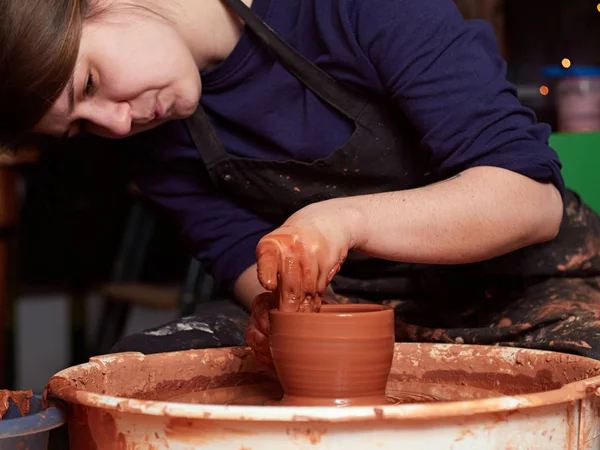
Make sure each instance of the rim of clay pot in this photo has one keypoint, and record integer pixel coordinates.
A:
(335, 321)
(341, 310)
(62, 386)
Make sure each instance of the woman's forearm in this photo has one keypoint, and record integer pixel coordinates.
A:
(481, 213)
(247, 287)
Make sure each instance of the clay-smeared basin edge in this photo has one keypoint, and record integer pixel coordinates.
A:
(63, 387)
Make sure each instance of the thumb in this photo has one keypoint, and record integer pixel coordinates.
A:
(260, 310)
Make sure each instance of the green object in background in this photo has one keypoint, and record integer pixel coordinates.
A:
(580, 157)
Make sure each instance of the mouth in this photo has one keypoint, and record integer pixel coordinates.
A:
(156, 113)
(159, 111)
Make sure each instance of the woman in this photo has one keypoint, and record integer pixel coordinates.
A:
(353, 150)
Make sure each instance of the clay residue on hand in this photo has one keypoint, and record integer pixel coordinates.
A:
(308, 304)
(20, 398)
(297, 263)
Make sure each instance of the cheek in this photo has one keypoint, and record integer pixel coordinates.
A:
(190, 96)
(128, 67)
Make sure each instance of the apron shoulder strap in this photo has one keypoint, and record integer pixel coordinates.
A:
(205, 138)
(318, 81)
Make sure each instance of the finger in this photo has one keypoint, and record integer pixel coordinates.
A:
(267, 360)
(268, 257)
(310, 301)
(326, 274)
(291, 288)
(264, 298)
(259, 349)
(255, 339)
(274, 299)
(260, 312)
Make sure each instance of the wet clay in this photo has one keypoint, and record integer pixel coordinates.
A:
(289, 257)
(249, 394)
(340, 356)
(270, 394)
(22, 399)
(135, 376)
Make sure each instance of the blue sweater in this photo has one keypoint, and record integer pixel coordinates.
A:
(445, 73)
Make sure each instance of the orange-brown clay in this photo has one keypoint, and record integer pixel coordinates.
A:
(21, 399)
(340, 356)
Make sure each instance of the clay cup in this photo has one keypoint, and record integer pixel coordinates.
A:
(340, 356)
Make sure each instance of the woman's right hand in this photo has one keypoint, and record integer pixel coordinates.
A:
(257, 332)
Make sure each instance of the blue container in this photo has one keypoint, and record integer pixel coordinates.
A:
(32, 431)
(573, 71)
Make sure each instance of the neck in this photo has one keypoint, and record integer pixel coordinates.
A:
(210, 29)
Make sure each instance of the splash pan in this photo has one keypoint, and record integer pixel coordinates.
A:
(441, 397)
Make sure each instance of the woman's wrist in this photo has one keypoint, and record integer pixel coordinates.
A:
(344, 213)
(247, 287)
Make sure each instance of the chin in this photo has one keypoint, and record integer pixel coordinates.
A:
(151, 125)
(185, 107)
(137, 130)
(188, 110)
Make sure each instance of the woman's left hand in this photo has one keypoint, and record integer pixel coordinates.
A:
(299, 259)
(257, 331)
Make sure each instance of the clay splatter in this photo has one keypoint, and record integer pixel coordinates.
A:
(186, 324)
(21, 399)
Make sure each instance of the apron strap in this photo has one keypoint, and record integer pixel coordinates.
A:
(317, 80)
(206, 140)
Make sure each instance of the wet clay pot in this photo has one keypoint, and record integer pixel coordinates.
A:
(340, 356)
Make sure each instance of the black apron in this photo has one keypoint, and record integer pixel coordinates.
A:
(384, 154)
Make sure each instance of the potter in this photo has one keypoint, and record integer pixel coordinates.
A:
(314, 151)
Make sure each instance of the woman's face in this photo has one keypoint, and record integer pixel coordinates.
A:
(134, 72)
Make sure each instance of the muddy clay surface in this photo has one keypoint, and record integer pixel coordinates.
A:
(270, 394)
(22, 399)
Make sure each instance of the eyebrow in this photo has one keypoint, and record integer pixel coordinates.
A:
(71, 100)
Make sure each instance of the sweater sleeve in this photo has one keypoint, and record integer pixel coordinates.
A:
(446, 74)
(220, 233)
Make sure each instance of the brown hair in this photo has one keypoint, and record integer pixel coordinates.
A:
(39, 43)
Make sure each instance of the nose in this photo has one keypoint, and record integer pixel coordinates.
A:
(105, 117)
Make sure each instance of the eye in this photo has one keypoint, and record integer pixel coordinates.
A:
(89, 85)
